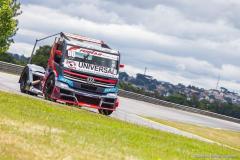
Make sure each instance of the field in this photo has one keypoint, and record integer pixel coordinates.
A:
(226, 137)
(34, 129)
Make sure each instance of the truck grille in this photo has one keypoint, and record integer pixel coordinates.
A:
(89, 88)
(84, 80)
(86, 87)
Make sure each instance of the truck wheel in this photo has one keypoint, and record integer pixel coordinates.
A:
(49, 86)
(105, 112)
(23, 82)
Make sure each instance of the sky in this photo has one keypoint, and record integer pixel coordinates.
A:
(188, 42)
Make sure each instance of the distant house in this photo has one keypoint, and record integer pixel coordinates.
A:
(151, 85)
(143, 76)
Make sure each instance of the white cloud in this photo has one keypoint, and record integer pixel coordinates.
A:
(176, 77)
(30, 33)
(22, 48)
(173, 44)
(230, 72)
(92, 12)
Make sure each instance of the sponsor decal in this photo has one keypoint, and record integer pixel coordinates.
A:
(72, 52)
(71, 65)
(111, 90)
(96, 68)
(91, 52)
(62, 79)
(91, 68)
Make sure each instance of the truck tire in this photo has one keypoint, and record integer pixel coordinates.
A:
(48, 87)
(105, 112)
(23, 81)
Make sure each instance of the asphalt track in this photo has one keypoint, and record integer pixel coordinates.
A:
(132, 111)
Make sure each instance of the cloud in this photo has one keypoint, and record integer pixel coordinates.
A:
(129, 36)
(21, 48)
(177, 77)
(176, 40)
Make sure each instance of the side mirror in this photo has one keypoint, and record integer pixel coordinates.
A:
(58, 52)
(121, 65)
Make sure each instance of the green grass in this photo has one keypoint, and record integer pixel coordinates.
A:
(227, 137)
(34, 129)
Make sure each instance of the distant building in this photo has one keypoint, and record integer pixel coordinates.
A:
(140, 76)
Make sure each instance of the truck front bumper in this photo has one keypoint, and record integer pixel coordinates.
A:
(63, 93)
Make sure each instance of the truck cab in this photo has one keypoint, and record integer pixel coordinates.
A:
(82, 71)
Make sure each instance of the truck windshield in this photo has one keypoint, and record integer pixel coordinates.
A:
(91, 61)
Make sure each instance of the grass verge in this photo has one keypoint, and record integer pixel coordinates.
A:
(227, 137)
(34, 129)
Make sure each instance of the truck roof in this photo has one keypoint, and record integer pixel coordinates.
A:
(87, 42)
(82, 38)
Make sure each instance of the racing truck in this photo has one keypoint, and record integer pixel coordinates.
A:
(80, 71)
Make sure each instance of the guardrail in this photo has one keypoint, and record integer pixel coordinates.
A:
(17, 69)
(147, 99)
(11, 68)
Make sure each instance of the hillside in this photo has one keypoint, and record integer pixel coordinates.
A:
(220, 101)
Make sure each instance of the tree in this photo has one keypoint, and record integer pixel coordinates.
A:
(15, 59)
(7, 58)
(41, 56)
(177, 98)
(9, 9)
